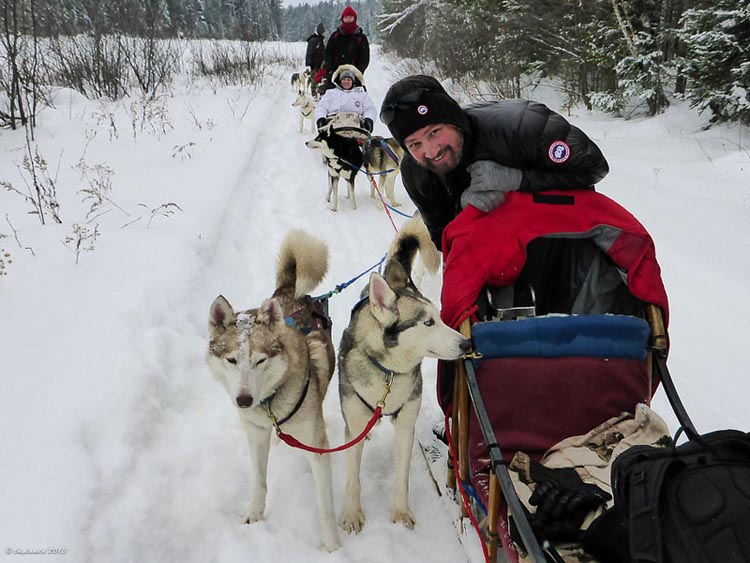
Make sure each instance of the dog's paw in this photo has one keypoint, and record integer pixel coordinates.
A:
(353, 522)
(395, 203)
(252, 517)
(331, 545)
(405, 517)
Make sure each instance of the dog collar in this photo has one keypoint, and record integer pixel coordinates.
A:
(389, 375)
(267, 403)
(381, 367)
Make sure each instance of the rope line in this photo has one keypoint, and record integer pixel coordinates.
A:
(342, 286)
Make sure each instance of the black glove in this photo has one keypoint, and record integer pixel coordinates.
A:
(368, 124)
(608, 537)
(561, 508)
(489, 182)
(320, 123)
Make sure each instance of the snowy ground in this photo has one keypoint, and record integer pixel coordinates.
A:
(119, 446)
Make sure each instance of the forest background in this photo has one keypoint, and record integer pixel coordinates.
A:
(622, 57)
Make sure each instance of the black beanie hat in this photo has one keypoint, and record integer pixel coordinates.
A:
(321, 29)
(416, 101)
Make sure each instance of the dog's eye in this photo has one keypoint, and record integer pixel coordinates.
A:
(232, 361)
(260, 361)
(429, 322)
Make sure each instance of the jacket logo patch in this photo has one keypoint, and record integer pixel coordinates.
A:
(422, 110)
(559, 152)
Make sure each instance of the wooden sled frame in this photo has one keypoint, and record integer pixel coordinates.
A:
(466, 392)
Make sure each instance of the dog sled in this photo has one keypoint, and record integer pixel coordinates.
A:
(562, 297)
(349, 125)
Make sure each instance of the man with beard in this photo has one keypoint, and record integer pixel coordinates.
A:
(473, 155)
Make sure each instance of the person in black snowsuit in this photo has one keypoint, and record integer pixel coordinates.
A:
(315, 54)
(458, 156)
(347, 45)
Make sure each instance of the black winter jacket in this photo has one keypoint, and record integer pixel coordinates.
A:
(516, 133)
(316, 51)
(353, 49)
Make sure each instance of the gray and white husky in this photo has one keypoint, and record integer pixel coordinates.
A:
(269, 367)
(383, 157)
(392, 329)
(306, 107)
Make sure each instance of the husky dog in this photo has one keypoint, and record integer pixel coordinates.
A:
(383, 157)
(271, 368)
(300, 80)
(306, 107)
(392, 329)
(343, 158)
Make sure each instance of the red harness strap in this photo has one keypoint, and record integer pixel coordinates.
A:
(293, 442)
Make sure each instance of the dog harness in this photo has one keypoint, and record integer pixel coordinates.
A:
(389, 375)
(319, 317)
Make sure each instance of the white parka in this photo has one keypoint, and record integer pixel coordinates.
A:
(337, 100)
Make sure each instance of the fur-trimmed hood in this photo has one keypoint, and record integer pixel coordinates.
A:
(359, 78)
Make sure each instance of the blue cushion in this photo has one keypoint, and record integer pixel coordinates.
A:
(602, 336)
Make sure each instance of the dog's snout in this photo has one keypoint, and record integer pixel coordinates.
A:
(245, 401)
(465, 345)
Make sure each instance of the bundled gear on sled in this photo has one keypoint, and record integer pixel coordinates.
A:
(562, 297)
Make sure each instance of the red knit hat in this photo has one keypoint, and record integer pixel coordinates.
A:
(349, 11)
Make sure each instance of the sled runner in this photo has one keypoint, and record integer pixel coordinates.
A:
(562, 297)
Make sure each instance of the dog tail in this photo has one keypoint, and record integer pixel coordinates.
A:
(414, 237)
(302, 262)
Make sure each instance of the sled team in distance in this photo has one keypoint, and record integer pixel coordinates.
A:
(343, 118)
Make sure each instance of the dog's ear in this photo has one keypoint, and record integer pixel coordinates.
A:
(270, 313)
(396, 275)
(382, 300)
(221, 315)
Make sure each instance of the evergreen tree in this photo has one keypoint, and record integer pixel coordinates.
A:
(717, 62)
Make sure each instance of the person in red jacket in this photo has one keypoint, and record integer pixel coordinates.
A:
(347, 45)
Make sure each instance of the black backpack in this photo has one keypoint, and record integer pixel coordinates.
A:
(687, 504)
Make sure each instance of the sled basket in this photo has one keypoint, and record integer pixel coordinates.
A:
(578, 275)
(349, 125)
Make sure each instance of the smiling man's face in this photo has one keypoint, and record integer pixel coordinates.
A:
(437, 147)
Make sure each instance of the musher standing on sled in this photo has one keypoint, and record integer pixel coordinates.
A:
(347, 45)
(315, 54)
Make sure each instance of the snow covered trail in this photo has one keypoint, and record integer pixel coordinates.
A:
(181, 490)
(117, 443)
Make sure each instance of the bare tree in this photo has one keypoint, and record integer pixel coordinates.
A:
(18, 49)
